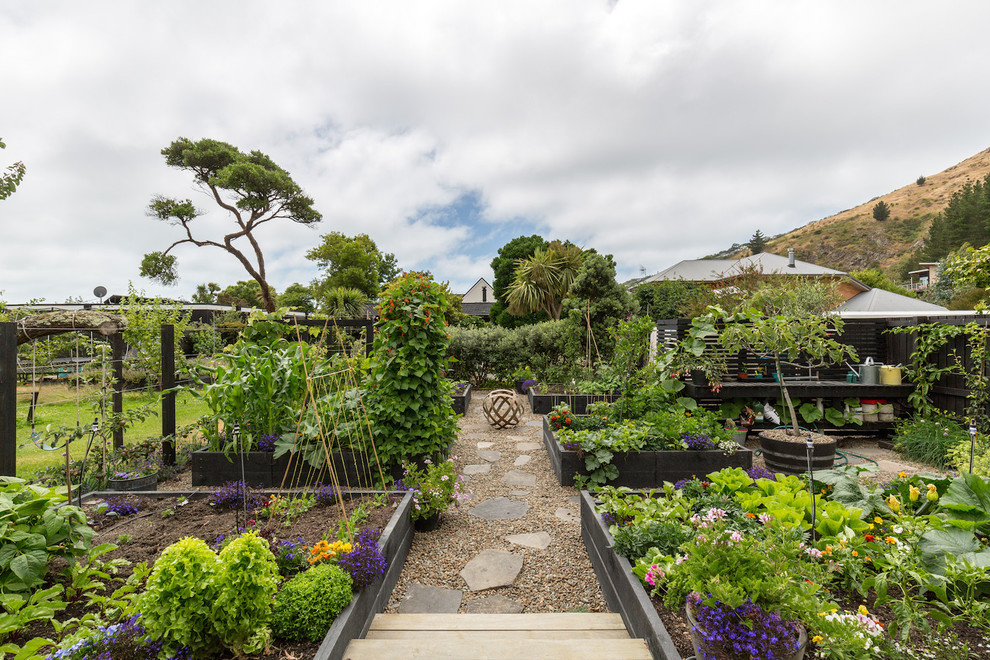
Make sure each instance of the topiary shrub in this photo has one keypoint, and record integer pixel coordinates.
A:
(248, 580)
(307, 605)
(178, 600)
(408, 401)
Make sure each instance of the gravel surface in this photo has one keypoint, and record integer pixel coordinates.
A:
(557, 579)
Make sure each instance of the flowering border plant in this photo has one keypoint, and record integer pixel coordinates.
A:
(435, 486)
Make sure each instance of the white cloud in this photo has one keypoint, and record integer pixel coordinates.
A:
(654, 131)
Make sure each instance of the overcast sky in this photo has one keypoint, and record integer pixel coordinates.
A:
(652, 130)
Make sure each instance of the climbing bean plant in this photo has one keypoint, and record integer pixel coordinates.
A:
(408, 399)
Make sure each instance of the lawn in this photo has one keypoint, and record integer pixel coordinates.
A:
(59, 404)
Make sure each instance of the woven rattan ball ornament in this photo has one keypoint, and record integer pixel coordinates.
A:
(502, 409)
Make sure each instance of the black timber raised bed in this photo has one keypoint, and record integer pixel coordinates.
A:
(623, 591)
(541, 404)
(262, 469)
(462, 401)
(644, 469)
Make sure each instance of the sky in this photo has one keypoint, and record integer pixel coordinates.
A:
(651, 131)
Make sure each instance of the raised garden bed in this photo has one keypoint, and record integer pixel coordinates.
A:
(262, 469)
(462, 398)
(622, 589)
(541, 404)
(354, 621)
(644, 469)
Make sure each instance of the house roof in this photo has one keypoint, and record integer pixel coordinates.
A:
(715, 270)
(476, 308)
(878, 300)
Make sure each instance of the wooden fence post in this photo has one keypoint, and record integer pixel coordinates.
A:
(8, 399)
(168, 394)
(117, 360)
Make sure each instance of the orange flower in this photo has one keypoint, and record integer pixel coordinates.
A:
(750, 514)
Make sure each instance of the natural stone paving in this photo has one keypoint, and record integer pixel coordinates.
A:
(519, 493)
(489, 455)
(423, 599)
(492, 569)
(537, 422)
(520, 478)
(496, 604)
(538, 540)
(527, 446)
(477, 469)
(500, 508)
(568, 515)
(485, 445)
(521, 460)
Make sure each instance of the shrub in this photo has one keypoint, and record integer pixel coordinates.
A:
(249, 579)
(179, 597)
(479, 354)
(307, 605)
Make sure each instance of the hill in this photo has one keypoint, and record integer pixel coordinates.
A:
(853, 240)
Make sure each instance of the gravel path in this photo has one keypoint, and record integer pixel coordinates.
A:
(556, 579)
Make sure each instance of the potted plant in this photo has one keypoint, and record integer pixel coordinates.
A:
(521, 376)
(788, 326)
(133, 476)
(435, 486)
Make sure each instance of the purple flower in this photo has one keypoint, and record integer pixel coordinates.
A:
(699, 442)
(757, 472)
(122, 506)
(232, 495)
(746, 631)
(266, 442)
(365, 562)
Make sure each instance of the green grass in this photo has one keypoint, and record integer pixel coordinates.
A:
(60, 405)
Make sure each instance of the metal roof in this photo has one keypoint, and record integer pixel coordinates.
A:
(879, 300)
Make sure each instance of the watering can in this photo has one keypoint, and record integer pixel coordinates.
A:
(869, 372)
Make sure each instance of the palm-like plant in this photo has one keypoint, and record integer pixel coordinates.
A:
(543, 280)
(343, 302)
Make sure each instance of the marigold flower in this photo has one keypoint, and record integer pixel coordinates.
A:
(855, 554)
(891, 540)
(862, 610)
(817, 639)
(750, 514)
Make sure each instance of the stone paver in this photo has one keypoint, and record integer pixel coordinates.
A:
(520, 478)
(538, 540)
(522, 460)
(537, 422)
(476, 469)
(489, 455)
(527, 446)
(492, 569)
(485, 445)
(500, 508)
(574, 499)
(519, 493)
(472, 436)
(517, 438)
(567, 515)
(422, 599)
(496, 604)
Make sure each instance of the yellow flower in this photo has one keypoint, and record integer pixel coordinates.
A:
(914, 493)
(855, 554)
(878, 520)
(817, 639)
(932, 493)
(863, 610)
(894, 503)
(891, 540)
(902, 474)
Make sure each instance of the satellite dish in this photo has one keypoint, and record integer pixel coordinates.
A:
(99, 292)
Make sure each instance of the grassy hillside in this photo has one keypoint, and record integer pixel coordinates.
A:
(853, 240)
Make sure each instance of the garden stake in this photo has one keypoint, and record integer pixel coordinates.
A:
(811, 484)
(972, 444)
(82, 470)
(236, 433)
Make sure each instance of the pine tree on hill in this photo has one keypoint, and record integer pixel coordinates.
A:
(758, 243)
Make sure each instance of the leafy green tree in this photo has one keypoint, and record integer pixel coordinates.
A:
(921, 180)
(876, 278)
(597, 302)
(12, 177)
(666, 300)
(881, 211)
(246, 293)
(544, 279)
(145, 318)
(504, 268)
(966, 219)
(206, 294)
(298, 297)
(353, 262)
(758, 242)
(249, 186)
(343, 302)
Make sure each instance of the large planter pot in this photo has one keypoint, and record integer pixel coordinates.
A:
(789, 455)
(145, 483)
(262, 469)
(427, 524)
(623, 591)
(462, 401)
(644, 469)
(542, 404)
(697, 633)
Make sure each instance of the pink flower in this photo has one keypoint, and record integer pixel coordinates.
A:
(736, 537)
(681, 560)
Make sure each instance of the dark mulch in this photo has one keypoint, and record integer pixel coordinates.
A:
(164, 519)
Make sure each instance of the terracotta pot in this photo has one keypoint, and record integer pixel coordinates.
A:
(696, 633)
(149, 482)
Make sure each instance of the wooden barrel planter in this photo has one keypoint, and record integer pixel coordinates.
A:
(790, 455)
